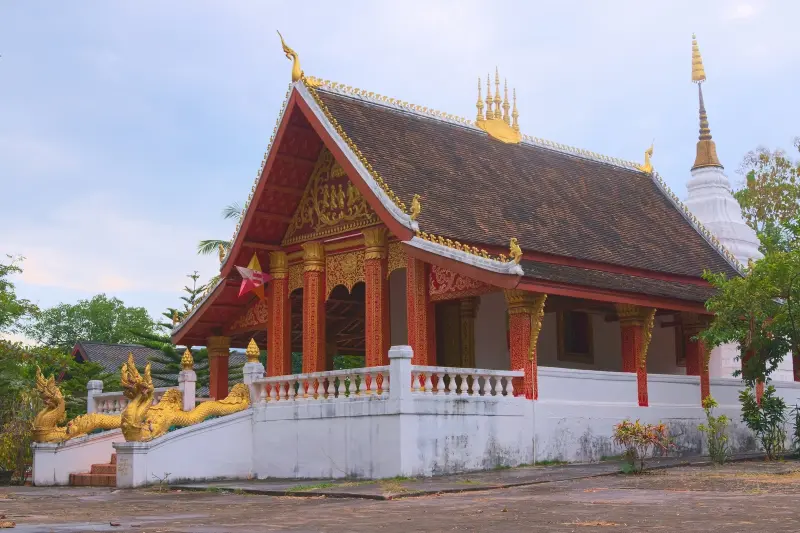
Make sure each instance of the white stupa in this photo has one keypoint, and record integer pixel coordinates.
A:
(711, 201)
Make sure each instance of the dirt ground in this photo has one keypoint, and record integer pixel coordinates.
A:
(749, 496)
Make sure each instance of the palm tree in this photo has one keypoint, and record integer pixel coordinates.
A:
(211, 246)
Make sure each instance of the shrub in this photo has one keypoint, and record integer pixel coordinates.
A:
(796, 432)
(640, 440)
(715, 429)
(767, 420)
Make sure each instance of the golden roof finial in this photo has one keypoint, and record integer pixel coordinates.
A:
(252, 352)
(489, 100)
(515, 114)
(175, 318)
(297, 72)
(706, 148)
(648, 164)
(506, 105)
(497, 121)
(187, 361)
(698, 72)
(221, 253)
(479, 104)
(497, 101)
(515, 251)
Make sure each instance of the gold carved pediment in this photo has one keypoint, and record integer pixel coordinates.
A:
(330, 204)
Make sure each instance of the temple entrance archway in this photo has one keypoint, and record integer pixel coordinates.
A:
(345, 325)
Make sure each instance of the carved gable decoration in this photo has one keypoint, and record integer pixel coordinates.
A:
(331, 204)
(445, 284)
(255, 317)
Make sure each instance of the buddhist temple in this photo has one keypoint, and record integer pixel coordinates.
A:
(512, 299)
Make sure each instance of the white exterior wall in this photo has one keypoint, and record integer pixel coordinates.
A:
(53, 463)
(217, 448)
(378, 437)
(491, 340)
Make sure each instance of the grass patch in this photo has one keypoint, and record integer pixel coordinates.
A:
(303, 488)
(216, 490)
(467, 482)
(551, 462)
(611, 458)
(398, 479)
(391, 486)
(502, 467)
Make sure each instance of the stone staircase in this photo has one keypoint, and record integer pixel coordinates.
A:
(101, 475)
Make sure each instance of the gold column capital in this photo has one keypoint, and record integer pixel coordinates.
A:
(313, 256)
(633, 315)
(218, 346)
(520, 301)
(278, 265)
(375, 243)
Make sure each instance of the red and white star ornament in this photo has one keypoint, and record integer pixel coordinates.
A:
(253, 279)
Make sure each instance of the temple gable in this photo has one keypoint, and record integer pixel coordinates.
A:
(330, 204)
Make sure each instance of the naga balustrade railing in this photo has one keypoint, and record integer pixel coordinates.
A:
(113, 403)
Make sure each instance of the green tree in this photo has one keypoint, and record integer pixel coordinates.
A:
(12, 308)
(770, 198)
(101, 319)
(760, 311)
(211, 246)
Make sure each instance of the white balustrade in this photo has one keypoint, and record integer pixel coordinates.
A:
(113, 403)
(465, 382)
(350, 383)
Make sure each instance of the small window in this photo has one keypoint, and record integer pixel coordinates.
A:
(575, 337)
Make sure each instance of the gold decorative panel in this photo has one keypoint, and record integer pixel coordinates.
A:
(344, 269)
(295, 276)
(330, 204)
(397, 258)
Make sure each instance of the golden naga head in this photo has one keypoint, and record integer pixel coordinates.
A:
(134, 384)
(515, 250)
(48, 390)
(416, 207)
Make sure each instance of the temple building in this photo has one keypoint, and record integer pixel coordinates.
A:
(385, 223)
(512, 298)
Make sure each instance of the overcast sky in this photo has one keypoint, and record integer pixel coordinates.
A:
(125, 127)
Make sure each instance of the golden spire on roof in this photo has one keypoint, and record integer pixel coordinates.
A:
(515, 114)
(489, 101)
(479, 104)
(706, 148)
(497, 100)
(497, 122)
(506, 105)
(648, 164)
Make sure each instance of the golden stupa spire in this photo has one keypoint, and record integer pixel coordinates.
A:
(479, 104)
(706, 148)
(506, 105)
(187, 361)
(515, 114)
(252, 352)
(489, 100)
(497, 121)
(497, 100)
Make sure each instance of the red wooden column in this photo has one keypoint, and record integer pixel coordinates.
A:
(313, 307)
(525, 314)
(420, 314)
(796, 364)
(218, 352)
(377, 296)
(279, 346)
(636, 328)
(697, 356)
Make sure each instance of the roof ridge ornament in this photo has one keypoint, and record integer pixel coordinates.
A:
(297, 72)
(648, 154)
(497, 122)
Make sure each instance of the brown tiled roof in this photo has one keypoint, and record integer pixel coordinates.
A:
(615, 281)
(478, 190)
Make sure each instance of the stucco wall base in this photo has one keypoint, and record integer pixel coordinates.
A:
(53, 463)
(215, 449)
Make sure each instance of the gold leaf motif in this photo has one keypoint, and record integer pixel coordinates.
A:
(345, 269)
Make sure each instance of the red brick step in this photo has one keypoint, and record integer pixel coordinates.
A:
(101, 475)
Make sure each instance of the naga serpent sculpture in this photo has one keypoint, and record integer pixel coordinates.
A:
(45, 425)
(143, 421)
(140, 420)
